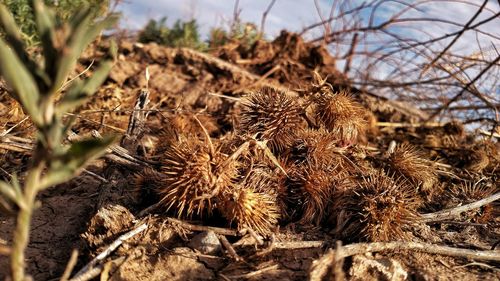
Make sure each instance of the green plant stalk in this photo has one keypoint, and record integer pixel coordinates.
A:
(22, 231)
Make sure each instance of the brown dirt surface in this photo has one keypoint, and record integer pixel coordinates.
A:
(188, 88)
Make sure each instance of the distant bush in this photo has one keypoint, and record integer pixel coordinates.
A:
(23, 14)
(244, 33)
(181, 34)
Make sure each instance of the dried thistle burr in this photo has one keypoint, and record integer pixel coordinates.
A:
(194, 174)
(317, 147)
(271, 115)
(468, 192)
(379, 208)
(145, 183)
(341, 115)
(411, 163)
(478, 160)
(183, 124)
(310, 190)
(248, 207)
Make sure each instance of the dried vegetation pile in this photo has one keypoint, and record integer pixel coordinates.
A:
(268, 151)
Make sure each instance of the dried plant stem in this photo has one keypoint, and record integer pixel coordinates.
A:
(230, 250)
(361, 248)
(104, 254)
(194, 227)
(95, 271)
(71, 264)
(453, 212)
(404, 125)
(254, 273)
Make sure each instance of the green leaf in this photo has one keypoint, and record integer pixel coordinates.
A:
(13, 37)
(80, 38)
(45, 22)
(13, 34)
(21, 81)
(67, 165)
(69, 54)
(81, 90)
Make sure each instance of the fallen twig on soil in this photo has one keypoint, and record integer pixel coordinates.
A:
(361, 248)
(109, 250)
(298, 245)
(194, 227)
(253, 273)
(453, 212)
(71, 264)
(95, 271)
(404, 125)
(121, 155)
(230, 250)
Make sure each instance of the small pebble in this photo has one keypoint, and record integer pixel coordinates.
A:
(206, 242)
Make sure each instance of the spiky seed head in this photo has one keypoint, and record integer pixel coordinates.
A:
(310, 190)
(317, 147)
(272, 115)
(247, 207)
(467, 192)
(193, 176)
(145, 183)
(341, 115)
(408, 161)
(181, 126)
(380, 208)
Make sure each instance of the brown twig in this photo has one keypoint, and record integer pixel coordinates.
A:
(254, 273)
(104, 254)
(466, 26)
(95, 271)
(230, 250)
(349, 55)
(467, 88)
(264, 16)
(70, 266)
(361, 248)
(454, 212)
(194, 227)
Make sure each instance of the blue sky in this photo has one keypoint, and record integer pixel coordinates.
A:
(294, 15)
(285, 14)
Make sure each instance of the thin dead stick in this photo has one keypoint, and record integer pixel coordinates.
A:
(95, 271)
(79, 75)
(404, 125)
(453, 212)
(70, 266)
(298, 245)
(120, 155)
(95, 175)
(489, 134)
(111, 248)
(253, 273)
(194, 227)
(230, 250)
(460, 33)
(361, 248)
(264, 16)
(13, 127)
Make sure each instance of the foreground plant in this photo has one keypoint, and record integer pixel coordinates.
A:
(37, 85)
